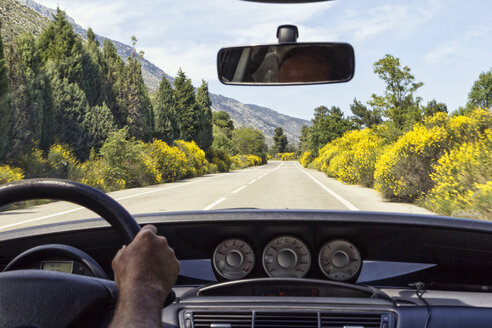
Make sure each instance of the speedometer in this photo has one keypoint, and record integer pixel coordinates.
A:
(286, 256)
(340, 260)
(233, 259)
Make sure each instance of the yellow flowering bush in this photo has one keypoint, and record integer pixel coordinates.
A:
(62, 161)
(242, 161)
(286, 156)
(463, 180)
(306, 158)
(355, 157)
(196, 163)
(10, 174)
(325, 155)
(403, 170)
(164, 163)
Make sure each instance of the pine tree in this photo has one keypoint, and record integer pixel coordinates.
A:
(165, 118)
(204, 136)
(280, 140)
(186, 108)
(27, 102)
(114, 71)
(99, 123)
(140, 118)
(61, 49)
(5, 111)
(92, 62)
(70, 108)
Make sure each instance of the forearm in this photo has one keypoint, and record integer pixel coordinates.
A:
(137, 310)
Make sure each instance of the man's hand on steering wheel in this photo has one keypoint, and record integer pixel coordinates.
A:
(144, 272)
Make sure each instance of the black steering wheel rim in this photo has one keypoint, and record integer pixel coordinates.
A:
(73, 192)
(67, 299)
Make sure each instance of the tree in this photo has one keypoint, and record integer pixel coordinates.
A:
(27, 103)
(280, 140)
(5, 110)
(250, 141)
(114, 71)
(222, 132)
(140, 117)
(99, 123)
(328, 124)
(434, 107)
(364, 117)
(70, 108)
(481, 92)
(186, 108)
(92, 66)
(61, 48)
(398, 103)
(303, 140)
(165, 124)
(223, 121)
(204, 136)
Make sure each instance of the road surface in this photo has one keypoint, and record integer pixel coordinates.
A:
(277, 185)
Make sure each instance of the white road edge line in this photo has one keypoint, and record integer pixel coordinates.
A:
(117, 199)
(40, 218)
(217, 202)
(342, 200)
(238, 189)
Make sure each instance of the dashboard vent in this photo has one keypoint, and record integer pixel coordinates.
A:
(341, 320)
(222, 319)
(286, 320)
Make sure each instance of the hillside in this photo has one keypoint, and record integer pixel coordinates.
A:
(21, 15)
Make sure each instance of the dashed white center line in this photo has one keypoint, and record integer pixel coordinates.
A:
(217, 202)
(238, 189)
(251, 182)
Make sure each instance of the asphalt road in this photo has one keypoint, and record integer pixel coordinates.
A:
(277, 185)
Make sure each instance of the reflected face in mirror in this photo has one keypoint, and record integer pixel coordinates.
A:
(304, 64)
(290, 63)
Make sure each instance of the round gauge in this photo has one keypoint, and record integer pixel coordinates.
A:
(286, 257)
(340, 260)
(233, 259)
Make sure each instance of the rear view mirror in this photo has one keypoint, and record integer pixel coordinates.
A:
(287, 63)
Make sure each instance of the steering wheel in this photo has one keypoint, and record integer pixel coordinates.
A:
(54, 299)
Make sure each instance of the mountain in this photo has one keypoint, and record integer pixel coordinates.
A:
(17, 17)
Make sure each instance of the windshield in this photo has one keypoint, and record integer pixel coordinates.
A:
(124, 96)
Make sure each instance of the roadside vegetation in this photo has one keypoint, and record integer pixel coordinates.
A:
(408, 151)
(72, 109)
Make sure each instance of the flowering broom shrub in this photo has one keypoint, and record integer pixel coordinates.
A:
(196, 163)
(463, 180)
(306, 158)
(403, 171)
(10, 174)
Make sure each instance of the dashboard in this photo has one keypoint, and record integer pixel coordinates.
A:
(292, 268)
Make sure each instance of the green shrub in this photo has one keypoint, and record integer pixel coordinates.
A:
(122, 159)
(219, 158)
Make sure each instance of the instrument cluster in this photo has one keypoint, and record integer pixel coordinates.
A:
(287, 257)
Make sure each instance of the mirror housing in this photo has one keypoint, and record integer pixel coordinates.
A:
(288, 63)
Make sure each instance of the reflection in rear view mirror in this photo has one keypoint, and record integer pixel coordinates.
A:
(292, 63)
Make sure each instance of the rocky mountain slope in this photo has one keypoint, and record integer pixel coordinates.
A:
(21, 15)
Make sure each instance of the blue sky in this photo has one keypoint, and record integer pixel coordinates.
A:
(446, 43)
